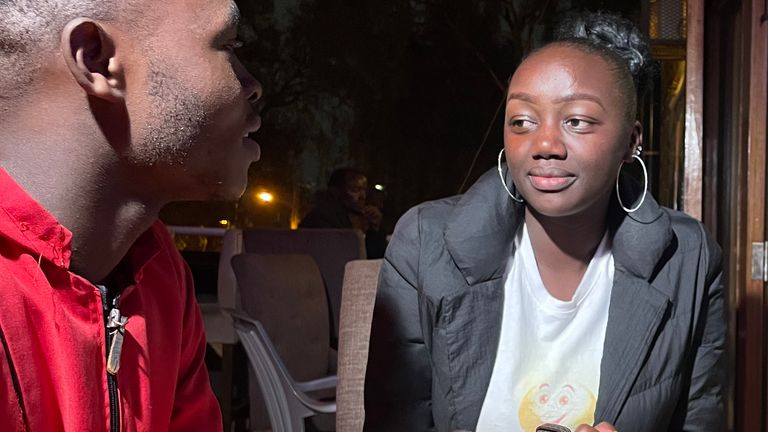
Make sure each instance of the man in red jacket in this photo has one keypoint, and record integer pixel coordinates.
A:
(108, 111)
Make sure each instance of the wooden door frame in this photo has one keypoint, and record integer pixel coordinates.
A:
(745, 210)
(755, 415)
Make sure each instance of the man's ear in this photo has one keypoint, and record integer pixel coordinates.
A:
(635, 141)
(90, 55)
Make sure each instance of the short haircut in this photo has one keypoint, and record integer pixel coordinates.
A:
(31, 29)
(340, 176)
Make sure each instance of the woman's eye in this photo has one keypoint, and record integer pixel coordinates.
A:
(519, 123)
(578, 124)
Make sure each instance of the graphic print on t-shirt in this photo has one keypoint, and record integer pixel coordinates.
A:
(547, 367)
(565, 404)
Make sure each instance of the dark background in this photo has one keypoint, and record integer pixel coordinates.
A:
(406, 90)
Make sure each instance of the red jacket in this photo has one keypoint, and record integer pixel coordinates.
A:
(52, 337)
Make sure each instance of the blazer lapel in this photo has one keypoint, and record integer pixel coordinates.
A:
(637, 309)
(479, 237)
(480, 231)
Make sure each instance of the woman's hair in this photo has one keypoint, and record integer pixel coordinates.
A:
(615, 39)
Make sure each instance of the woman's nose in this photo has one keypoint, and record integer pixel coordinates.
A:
(548, 143)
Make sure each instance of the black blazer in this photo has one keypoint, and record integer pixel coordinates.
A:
(438, 310)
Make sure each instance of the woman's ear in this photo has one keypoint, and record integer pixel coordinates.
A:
(635, 142)
(90, 55)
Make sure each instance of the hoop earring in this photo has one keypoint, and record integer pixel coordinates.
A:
(645, 185)
(503, 182)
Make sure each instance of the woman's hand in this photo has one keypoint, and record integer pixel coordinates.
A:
(602, 427)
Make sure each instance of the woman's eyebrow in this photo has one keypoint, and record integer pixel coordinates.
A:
(525, 97)
(579, 96)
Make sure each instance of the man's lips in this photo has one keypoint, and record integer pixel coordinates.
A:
(252, 127)
(549, 179)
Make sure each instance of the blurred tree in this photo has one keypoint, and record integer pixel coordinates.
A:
(409, 91)
(406, 89)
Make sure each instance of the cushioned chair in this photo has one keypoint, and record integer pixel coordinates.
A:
(287, 401)
(361, 278)
(286, 294)
(331, 249)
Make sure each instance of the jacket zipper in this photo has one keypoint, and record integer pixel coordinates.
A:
(114, 401)
(15, 381)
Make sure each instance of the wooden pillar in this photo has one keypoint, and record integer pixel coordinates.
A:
(754, 308)
(694, 107)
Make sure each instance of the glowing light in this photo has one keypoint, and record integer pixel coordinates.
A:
(265, 197)
(379, 187)
(224, 222)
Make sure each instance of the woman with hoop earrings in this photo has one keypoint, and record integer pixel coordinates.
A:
(555, 290)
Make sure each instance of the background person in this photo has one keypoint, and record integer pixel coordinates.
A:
(343, 205)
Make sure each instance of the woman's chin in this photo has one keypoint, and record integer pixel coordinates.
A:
(553, 208)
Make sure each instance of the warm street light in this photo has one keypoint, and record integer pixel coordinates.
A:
(265, 197)
(379, 187)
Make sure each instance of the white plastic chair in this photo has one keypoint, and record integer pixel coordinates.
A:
(287, 401)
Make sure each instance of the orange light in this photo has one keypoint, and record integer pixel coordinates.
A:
(265, 197)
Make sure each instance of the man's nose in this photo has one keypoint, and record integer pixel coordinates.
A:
(251, 86)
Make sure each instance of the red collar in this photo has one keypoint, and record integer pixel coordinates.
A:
(24, 221)
(27, 223)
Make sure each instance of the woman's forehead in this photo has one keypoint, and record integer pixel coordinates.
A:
(556, 71)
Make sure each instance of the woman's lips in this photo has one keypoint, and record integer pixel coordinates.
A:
(550, 179)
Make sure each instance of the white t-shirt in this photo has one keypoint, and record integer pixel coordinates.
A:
(547, 366)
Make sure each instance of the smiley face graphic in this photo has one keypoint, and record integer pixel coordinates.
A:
(564, 404)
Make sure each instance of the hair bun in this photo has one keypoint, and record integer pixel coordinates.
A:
(612, 33)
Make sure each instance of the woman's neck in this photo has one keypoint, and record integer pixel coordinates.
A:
(564, 246)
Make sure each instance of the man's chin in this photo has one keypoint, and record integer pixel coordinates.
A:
(232, 193)
(230, 190)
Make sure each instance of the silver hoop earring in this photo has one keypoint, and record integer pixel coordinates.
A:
(645, 185)
(503, 182)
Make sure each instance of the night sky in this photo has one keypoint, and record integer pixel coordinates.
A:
(405, 90)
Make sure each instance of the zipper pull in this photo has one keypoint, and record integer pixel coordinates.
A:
(116, 326)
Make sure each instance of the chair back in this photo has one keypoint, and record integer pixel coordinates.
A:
(331, 249)
(286, 294)
(360, 281)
